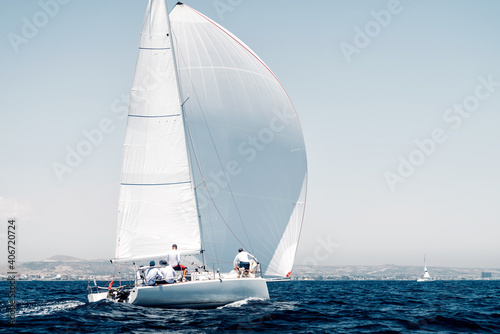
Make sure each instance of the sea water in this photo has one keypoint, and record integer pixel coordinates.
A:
(295, 307)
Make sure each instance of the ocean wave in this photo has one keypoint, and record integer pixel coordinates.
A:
(240, 303)
(298, 307)
(47, 308)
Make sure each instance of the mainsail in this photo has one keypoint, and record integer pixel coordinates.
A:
(157, 205)
(214, 157)
(426, 273)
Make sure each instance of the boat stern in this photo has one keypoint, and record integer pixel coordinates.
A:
(95, 297)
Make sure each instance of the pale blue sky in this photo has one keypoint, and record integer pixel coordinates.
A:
(358, 118)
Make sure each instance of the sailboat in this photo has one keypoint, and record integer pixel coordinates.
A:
(214, 160)
(426, 277)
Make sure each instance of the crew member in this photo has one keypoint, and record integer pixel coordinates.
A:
(173, 260)
(241, 262)
(152, 274)
(167, 273)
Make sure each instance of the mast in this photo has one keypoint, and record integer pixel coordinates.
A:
(183, 116)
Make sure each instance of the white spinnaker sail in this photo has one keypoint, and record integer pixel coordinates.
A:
(248, 146)
(282, 261)
(157, 205)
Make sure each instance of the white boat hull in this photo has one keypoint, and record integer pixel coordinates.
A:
(197, 294)
(424, 280)
(209, 293)
(95, 297)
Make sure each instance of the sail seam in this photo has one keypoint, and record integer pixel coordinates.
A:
(153, 116)
(153, 184)
(154, 48)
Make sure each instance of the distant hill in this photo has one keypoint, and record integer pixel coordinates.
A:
(63, 258)
(68, 267)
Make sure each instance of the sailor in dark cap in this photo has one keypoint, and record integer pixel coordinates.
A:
(152, 274)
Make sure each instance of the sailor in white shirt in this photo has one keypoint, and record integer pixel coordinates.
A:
(167, 272)
(242, 261)
(152, 274)
(173, 259)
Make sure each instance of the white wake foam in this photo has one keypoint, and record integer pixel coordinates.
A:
(240, 303)
(49, 308)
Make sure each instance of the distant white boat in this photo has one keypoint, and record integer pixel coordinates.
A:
(426, 277)
(214, 160)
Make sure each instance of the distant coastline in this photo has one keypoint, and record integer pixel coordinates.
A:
(67, 268)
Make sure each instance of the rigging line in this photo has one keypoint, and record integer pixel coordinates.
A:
(190, 137)
(206, 191)
(186, 123)
(230, 191)
(199, 184)
(212, 235)
(191, 141)
(220, 214)
(116, 271)
(218, 158)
